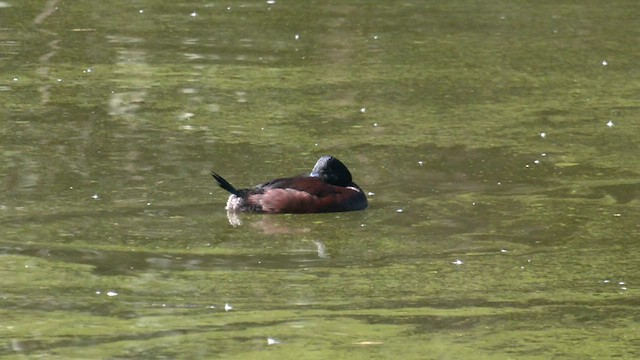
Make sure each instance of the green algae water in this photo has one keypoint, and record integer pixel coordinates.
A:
(497, 142)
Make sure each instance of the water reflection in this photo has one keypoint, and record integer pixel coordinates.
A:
(267, 223)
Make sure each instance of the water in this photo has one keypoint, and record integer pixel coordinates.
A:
(498, 142)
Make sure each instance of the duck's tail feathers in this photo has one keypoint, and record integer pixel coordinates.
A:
(225, 184)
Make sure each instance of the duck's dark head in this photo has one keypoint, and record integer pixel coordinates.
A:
(332, 171)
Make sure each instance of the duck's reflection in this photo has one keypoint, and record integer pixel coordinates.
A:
(322, 249)
(268, 224)
(234, 218)
(275, 225)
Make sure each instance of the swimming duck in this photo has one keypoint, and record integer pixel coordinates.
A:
(329, 188)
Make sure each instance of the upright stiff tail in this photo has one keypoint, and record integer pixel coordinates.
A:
(224, 184)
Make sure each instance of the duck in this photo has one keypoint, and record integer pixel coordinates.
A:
(328, 188)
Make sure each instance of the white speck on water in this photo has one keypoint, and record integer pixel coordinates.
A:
(95, 197)
(296, 36)
(194, 14)
(606, 281)
(272, 341)
(140, 11)
(98, 292)
(610, 123)
(375, 37)
(457, 262)
(543, 154)
(617, 214)
(227, 307)
(271, 2)
(543, 135)
(400, 210)
(604, 63)
(375, 124)
(363, 110)
(536, 161)
(148, 204)
(371, 193)
(621, 283)
(420, 163)
(503, 250)
(15, 79)
(186, 116)
(112, 293)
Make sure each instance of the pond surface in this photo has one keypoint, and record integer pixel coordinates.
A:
(498, 142)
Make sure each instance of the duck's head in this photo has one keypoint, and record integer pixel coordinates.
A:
(332, 170)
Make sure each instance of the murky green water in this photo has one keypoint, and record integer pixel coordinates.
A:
(499, 140)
